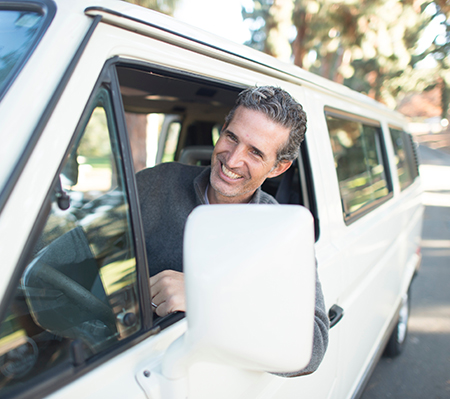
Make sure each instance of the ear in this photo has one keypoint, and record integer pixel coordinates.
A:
(281, 167)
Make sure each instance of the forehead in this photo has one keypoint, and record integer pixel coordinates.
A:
(255, 128)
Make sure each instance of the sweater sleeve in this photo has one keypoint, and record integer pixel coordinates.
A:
(320, 341)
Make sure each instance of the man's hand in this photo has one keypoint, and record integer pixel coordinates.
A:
(167, 290)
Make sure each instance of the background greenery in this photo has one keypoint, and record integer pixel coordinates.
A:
(371, 46)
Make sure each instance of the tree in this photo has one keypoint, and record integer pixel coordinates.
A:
(369, 45)
(270, 23)
(440, 51)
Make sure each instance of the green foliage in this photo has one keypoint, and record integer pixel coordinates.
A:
(257, 16)
(440, 50)
(95, 142)
(371, 46)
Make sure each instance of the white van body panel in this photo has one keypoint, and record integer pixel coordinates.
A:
(365, 267)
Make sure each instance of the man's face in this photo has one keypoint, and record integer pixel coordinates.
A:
(245, 155)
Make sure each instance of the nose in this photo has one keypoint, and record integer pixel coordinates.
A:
(236, 157)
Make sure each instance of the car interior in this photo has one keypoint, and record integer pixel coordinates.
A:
(198, 107)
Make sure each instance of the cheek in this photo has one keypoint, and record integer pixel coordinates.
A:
(221, 146)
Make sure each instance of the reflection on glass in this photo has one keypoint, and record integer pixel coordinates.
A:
(403, 169)
(358, 161)
(173, 132)
(80, 287)
(18, 30)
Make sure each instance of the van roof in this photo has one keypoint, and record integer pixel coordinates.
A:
(155, 24)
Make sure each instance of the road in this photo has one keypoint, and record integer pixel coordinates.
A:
(423, 369)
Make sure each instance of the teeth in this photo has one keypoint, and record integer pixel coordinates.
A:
(229, 173)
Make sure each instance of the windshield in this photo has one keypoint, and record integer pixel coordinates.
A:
(19, 31)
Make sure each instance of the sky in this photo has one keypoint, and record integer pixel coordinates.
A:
(223, 18)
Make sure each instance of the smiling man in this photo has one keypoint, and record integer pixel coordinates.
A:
(245, 155)
(260, 139)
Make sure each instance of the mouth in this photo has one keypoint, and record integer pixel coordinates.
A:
(228, 173)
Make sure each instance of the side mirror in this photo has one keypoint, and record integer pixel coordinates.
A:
(250, 290)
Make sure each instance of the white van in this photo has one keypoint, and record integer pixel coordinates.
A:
(93, 91)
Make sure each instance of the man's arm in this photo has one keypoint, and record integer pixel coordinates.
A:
(320, 341)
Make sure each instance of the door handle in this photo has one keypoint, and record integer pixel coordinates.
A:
(335, 314)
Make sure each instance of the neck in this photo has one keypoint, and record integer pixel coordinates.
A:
(216, 198)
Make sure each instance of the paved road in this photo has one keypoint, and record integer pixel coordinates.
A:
(422, 371)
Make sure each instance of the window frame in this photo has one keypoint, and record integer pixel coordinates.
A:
(408, 155)
(350, 218)
(413, 158)
(70, 370)
(305, 168)
(410, 148)
(6, 190)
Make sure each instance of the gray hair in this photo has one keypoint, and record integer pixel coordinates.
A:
(280, 107)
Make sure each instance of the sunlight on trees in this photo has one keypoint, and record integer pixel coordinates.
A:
(383, 48)
(373, 46)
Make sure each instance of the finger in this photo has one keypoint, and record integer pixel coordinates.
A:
(172, 304)
(168, 291)
(162, 310)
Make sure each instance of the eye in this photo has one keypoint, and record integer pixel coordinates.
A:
(232, 137)
(257, 153)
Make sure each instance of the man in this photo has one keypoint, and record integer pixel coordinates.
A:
(260, 139)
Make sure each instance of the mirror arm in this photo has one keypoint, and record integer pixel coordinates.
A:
(157, 386)
(62, 198)
(172, 381)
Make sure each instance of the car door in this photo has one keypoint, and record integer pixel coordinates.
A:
(77, 318)
(82, 294)
(368, 233)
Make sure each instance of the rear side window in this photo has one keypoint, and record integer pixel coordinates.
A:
(405, 157)
(360, 161)
(20, 30)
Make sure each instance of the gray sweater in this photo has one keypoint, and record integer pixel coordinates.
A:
(168, 193)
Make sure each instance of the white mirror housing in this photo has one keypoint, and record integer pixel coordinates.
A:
(250, 289)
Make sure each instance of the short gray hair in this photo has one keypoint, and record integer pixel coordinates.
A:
(280, 107)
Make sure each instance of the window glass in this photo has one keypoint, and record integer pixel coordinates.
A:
(170, 145)
(153, 138)
(358, 157)
(216, 133)
(78, 293)
(401, 159)
(18, 31)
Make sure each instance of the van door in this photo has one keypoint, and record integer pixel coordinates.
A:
(197, 120)
(366, 230)
(323, 383)
(79, 321)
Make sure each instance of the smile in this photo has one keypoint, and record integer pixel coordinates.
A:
(230, 174)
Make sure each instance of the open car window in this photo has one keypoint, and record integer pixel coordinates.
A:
(176, 117)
